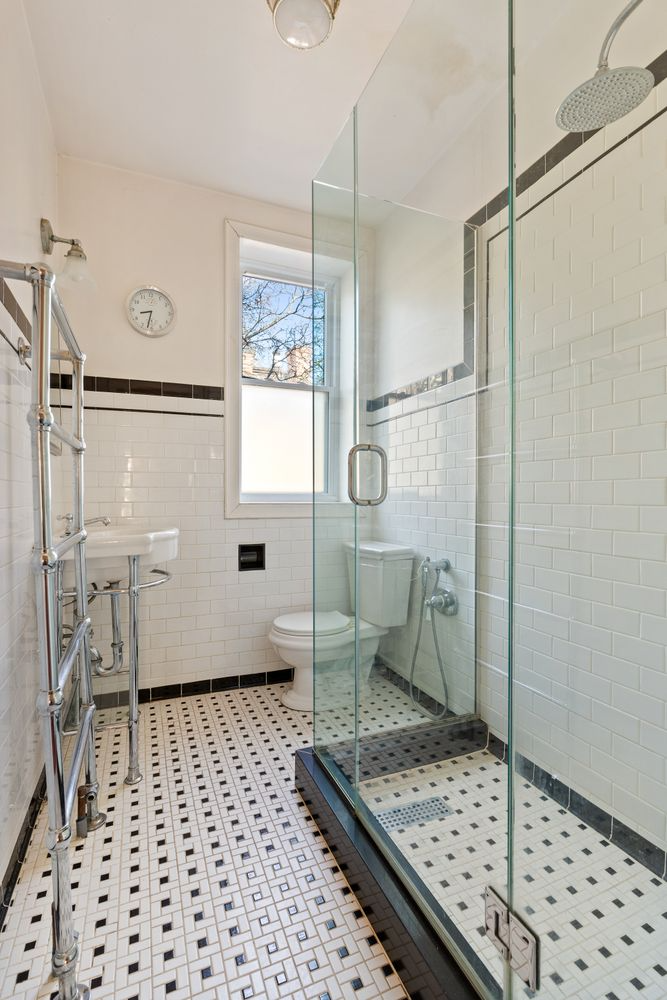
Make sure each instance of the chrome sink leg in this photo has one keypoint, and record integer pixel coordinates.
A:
(133, 773)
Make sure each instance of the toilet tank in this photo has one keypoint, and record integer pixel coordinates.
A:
(385, 572)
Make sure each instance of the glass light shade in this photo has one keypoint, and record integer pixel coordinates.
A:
(76, 272)
(303, 24)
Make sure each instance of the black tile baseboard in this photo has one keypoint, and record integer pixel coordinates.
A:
(608, 826)
(17, 858)
(261, 679)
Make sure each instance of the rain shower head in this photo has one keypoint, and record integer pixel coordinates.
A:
(611, 93)
(606, 97)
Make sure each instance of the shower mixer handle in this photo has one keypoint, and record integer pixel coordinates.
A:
(444, 601)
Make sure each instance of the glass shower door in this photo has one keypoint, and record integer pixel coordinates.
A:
(589, 676)
(397, 708)
(335, 518)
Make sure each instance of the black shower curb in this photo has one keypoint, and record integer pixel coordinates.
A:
(428, 970)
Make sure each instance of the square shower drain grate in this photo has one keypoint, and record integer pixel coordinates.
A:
(413, 814)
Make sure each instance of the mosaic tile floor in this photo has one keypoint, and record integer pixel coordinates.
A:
(601, 917)
(209, 880)
(384, 708)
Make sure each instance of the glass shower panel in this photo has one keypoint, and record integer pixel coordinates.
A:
(589, 690)
(411, 718)
(429, 788)
(334, 517)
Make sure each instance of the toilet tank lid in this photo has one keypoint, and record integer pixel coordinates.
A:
(382, 550)
(301, 623)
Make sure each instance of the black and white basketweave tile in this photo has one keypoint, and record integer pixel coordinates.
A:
(383, 707)
(208, 880)
(601, 916)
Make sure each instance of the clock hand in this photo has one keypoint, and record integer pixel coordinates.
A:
(150, 314)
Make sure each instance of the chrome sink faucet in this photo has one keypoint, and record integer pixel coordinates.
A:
(69, 518)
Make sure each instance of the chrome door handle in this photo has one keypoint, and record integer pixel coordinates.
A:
(351, 461)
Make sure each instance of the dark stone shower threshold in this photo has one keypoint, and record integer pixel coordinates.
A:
(427, 968)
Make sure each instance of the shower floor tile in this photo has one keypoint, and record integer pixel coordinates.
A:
(209, 879)
(601, 916)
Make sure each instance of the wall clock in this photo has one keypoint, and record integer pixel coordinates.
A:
(151, 311)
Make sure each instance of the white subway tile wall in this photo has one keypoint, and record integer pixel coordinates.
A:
(591, 459)
(20, 744)
(166, 469)
(430, 440)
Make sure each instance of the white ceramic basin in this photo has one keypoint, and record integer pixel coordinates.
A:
(107, 551)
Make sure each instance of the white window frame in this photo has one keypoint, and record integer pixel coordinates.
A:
(284, 505)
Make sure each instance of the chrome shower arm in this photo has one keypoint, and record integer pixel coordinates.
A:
(603, 61)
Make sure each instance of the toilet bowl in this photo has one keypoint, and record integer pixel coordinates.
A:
(383, 581)
(333, 646)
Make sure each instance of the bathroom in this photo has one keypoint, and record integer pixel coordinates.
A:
(451, 780)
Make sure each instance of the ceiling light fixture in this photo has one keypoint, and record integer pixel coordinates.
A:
(303, 24)
(76, 270)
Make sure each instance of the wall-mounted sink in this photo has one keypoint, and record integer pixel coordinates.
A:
(107, 550)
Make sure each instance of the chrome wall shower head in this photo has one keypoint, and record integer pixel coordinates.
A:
(611, 93)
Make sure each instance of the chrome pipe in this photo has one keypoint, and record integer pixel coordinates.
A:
(65, 329)
(55, 668)
(64, 943)
(82, 741)
(164, 576)
(603, 58)
(73, 442)
(18, 272)
(116, 641)
(70, 655)
(95, 818)
(133, 773)
(57, 552)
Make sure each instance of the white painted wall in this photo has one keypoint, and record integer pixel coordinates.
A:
(27, 191)
(168, 468)
(418, 299)
(556, 49)
(140, 229)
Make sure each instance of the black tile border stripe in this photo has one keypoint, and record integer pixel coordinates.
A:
(136, 409)
(608, 826)
(142, 387)
(14, 309)
(103, 383)
(18, 855)
(428, 970)
(570, 142)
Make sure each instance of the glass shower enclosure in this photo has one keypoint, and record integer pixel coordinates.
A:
(490, 542)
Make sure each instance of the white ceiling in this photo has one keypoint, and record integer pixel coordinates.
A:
(204, 91)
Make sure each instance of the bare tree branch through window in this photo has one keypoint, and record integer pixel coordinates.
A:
(283, 331)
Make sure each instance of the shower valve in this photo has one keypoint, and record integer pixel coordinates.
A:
(444, 601)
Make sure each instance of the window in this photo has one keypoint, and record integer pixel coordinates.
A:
(283, 331)
(281, 368)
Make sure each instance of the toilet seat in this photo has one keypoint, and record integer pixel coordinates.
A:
(301, 623)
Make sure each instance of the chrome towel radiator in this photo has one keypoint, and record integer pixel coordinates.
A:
(56, 665)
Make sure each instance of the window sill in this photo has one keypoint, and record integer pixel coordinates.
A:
(329, 505)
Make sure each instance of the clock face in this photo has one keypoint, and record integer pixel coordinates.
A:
(151, 311)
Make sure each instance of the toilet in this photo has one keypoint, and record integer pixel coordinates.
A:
(385, 572)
